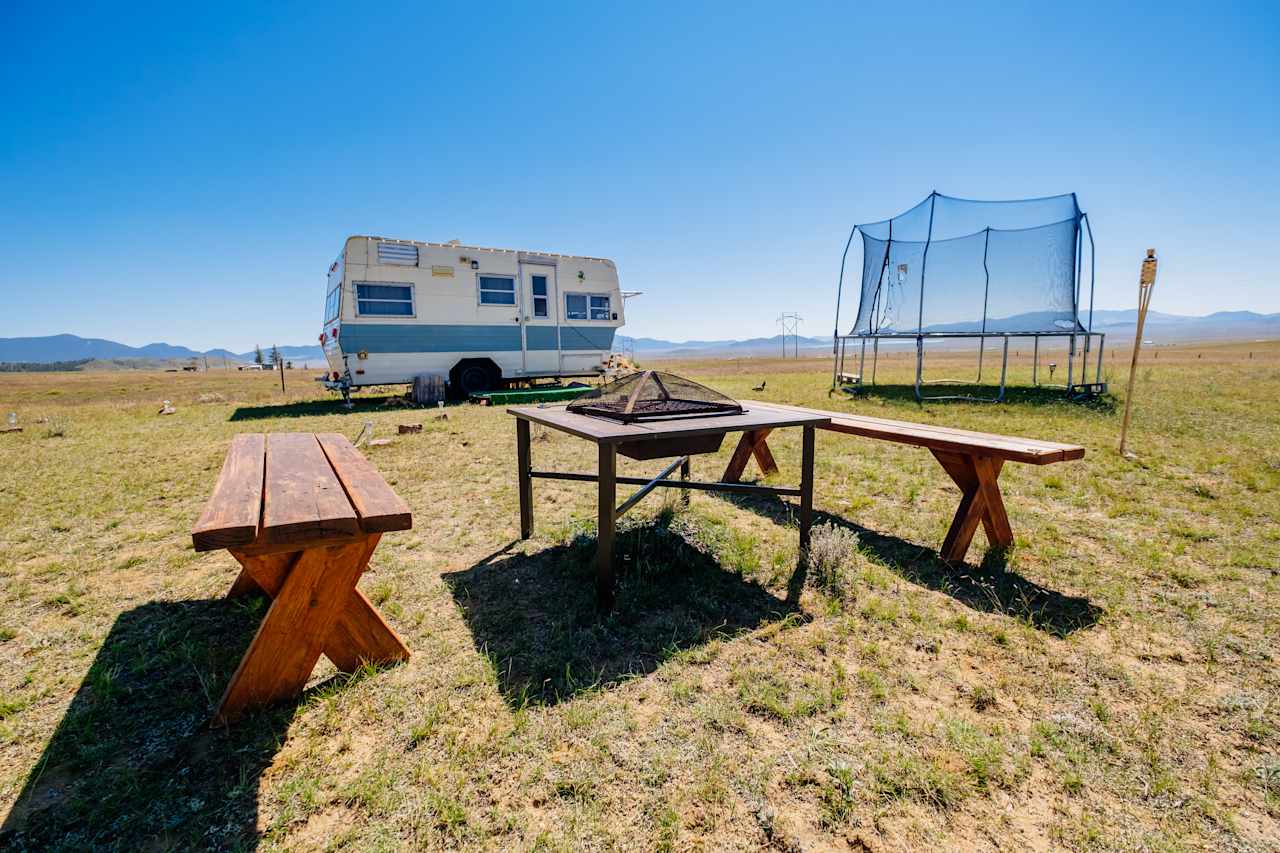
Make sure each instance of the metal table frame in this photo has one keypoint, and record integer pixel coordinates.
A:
(608, 435)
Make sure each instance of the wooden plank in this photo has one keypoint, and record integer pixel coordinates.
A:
(738, 461)
(379, 507)
(995, 518)
(359, 633)
(233, 511)
(293, 634)
(361, 636)
(1015, 448)
(302, 498)
(764, 456)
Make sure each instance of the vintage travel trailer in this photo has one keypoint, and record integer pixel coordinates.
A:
(476, 317)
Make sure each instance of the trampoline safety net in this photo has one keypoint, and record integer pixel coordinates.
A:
(951, 266)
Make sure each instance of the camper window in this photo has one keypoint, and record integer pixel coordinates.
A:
(384, 299)
(539, 295)
(575, 306)
(497, 290)
(599, 308)
(331, 305)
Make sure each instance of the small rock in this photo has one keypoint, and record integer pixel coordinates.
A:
(406, 429)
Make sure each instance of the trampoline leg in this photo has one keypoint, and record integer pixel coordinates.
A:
(919, 366)
(862, 361)
(1071, 365)
(875, 358)
(1004, 369)
(1035, 362)
(981, 344)
(1102, 342)
(1084, 362)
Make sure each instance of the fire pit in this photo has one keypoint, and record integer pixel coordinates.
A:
(652, 395)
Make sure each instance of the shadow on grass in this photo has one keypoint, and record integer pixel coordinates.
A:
(133, 763)
(1016, 395)
(990, 587)
(307, 408)
(535, 616)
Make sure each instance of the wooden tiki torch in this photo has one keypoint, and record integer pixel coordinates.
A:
(1146, 284)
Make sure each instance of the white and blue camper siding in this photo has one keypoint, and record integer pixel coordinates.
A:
(397, 309)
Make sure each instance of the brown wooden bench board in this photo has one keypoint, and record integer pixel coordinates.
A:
(231, 515)
(380, 509)
(303, 498)
(1014, 448)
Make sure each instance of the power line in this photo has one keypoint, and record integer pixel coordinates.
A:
(790, 323)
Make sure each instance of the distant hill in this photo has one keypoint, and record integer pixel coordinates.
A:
(1160, 327)
(53, 348)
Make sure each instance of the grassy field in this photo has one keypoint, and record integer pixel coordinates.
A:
(1113, 682)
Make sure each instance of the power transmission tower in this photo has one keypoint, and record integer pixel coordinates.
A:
(790, 323)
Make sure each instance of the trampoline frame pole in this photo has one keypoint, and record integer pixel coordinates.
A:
(1035, 363)
(875, 358)
(986, 292)
(835, 334)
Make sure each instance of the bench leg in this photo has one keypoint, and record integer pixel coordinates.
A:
(753, 443)
(980, 502)
(316, 609)
(360, 634)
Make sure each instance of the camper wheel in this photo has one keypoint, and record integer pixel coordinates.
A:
(473, 376)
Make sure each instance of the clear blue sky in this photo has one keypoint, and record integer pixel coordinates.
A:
(186, 174)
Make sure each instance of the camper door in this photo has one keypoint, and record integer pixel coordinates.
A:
(540, 338)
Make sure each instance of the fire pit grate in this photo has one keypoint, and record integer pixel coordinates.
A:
(653, 395)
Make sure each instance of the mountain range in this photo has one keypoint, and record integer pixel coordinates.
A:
(1160, 328)
(73, 347)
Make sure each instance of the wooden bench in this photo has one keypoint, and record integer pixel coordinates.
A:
(302, 514)
(972, 459)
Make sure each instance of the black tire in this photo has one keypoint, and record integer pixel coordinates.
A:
(472, 377)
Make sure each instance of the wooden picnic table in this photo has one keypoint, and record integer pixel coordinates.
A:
(302, 513)
(656, 439)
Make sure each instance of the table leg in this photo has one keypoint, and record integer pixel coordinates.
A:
(524, 464)
(607, 499)
(686, 469)
(806, 492)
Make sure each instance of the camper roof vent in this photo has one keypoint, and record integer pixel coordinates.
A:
(401, 254)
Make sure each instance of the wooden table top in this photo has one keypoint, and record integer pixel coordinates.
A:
(295, 487)
(605, 431)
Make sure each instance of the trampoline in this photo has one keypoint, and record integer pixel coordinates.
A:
(954, 269)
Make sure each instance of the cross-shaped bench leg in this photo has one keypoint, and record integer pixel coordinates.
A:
(981, 502)
(316, 609)
(752, 443)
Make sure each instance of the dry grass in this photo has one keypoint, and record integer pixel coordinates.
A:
(1111, 683)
